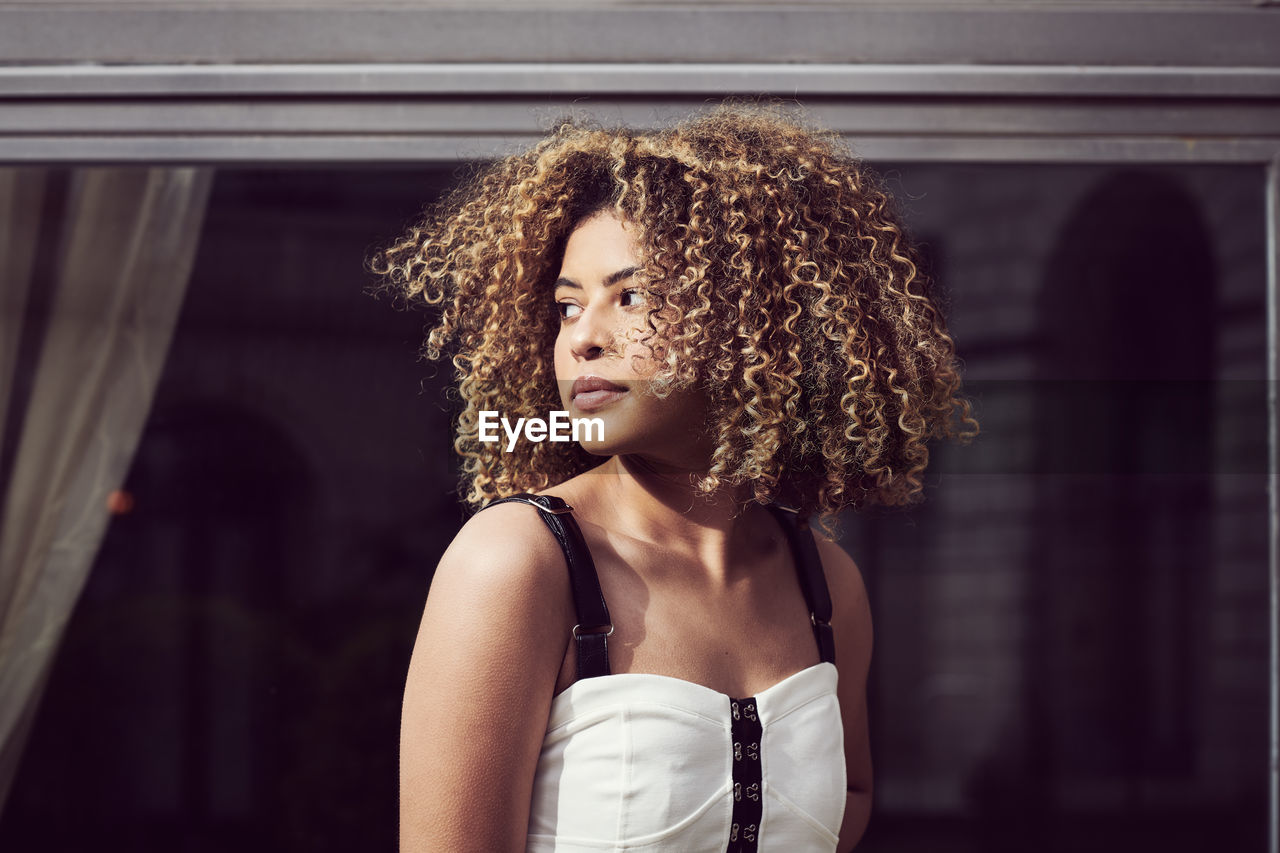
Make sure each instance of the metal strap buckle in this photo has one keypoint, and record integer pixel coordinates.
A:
(577, 631)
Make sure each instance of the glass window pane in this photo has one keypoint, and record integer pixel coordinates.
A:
(1071, 632)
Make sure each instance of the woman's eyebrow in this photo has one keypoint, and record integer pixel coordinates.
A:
(609, 281)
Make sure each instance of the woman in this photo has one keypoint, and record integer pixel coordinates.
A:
(734, 307)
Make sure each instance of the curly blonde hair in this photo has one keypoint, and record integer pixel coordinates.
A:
(786, 289)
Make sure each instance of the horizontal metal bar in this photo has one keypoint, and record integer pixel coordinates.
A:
(1198, 121)
(685, 78)
(303, 31)
(380, 149)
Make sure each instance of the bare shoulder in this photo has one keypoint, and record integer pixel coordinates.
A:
(844, 578)
(501, 590)
(505, 547)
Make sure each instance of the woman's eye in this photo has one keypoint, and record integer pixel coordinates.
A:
(567, 310)
(637, 297)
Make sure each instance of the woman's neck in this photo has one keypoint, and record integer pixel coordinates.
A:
(661, 504)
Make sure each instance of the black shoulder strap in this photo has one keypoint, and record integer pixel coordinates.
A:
(812, 581)
(593, 623)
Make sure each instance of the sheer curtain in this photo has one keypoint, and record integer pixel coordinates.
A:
(126, 244)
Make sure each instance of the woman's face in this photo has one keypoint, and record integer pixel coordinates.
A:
(601, 367)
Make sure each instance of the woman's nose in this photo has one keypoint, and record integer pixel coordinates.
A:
(593, 334)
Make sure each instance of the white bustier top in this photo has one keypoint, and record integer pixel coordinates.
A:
(642, 762)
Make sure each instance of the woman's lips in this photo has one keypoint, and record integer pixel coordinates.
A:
(589, 401)
(593, 392)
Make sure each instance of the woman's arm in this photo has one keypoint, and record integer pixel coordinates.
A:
(851, 624)
(480, 684)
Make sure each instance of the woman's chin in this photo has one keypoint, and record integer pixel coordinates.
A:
(598, 448)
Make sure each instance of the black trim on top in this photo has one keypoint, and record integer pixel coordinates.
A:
(748, 776)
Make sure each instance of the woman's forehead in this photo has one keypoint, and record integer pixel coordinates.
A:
(598, 247)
